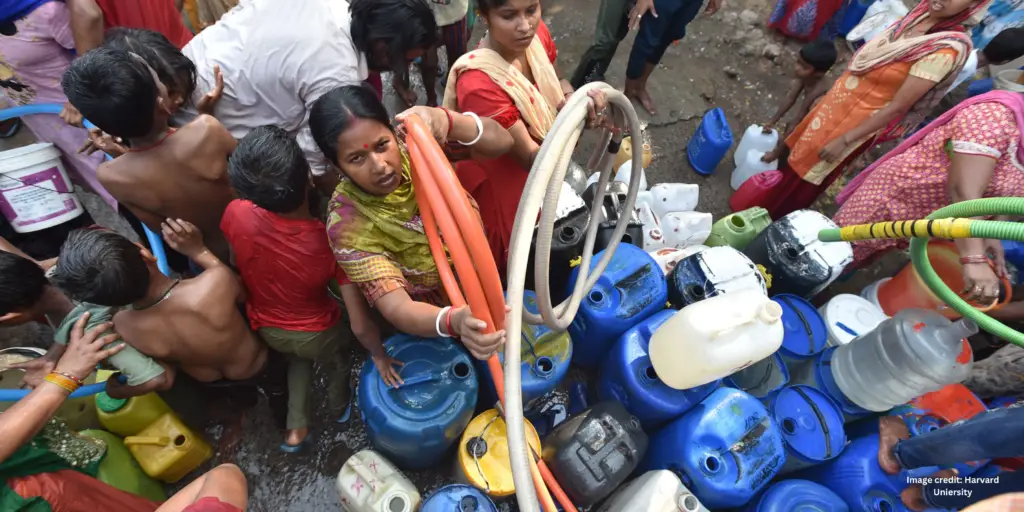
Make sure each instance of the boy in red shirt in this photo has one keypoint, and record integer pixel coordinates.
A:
(286, 263)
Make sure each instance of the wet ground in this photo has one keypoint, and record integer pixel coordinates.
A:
(726, 61)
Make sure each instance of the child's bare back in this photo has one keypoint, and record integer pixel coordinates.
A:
(199, 327)
(184, 176)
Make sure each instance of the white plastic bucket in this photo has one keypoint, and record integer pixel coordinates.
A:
(35, 191)
(849, 316)
(870, 292)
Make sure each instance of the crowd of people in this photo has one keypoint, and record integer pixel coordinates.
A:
(260, 149)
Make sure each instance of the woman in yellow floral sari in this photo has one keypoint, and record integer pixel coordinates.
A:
(893, 81)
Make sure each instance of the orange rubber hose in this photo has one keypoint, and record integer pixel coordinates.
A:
(443, 203)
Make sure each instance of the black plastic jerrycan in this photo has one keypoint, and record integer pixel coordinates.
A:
(612, 214)
(566, 245)
(594, 452)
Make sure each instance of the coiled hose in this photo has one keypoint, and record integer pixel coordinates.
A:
(949, 222)
(542, 189)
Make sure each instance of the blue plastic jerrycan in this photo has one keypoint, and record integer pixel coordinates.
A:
(544, 356)
(415, 424)
(797, 496)
(856, 477)
(724, 450)
(762, 379)
(812, 426)
(711, 143)
(712, 272)
(806, 331)
(458, 498)
(817, 373)
(631, 289)
(628, 377)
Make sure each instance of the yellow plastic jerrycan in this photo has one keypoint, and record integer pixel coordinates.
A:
(483, 460)
(119, 469)
(167, 449)
(128, 417)
(625, 153)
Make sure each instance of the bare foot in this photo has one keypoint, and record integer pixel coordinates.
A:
(891, 430)
(296, 436)
(406, 95)
(639, 93)
(913, 496)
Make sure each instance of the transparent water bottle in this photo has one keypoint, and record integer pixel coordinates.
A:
(915, 352)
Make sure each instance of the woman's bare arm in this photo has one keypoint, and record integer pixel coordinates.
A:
(524, 148)
(969, 177)
(421, 319)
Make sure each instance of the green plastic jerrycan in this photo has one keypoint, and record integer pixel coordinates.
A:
(737, 230)
(119, 469)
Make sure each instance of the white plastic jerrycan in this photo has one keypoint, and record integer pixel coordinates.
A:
(754, 139)
(654, 239)
(716, 337)
(668, 257)
(673, 197)
(654, 491)
(683, 229)
(369, 483)
(750, 166)
(625, 172)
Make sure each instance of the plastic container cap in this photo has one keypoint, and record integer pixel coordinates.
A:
(849, 316)
(806, 333)
(107, 404)
(811, 423)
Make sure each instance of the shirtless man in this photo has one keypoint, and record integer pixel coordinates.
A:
(192, 322)
(167, 173)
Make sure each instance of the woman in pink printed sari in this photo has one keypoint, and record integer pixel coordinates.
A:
(975, 150)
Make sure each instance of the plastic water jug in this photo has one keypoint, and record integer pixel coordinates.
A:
(119, 469)
(625, 154)
(737, 230)
(848, 316)
(755, 139)
(685, 229)
(710, 273)
(483, 454)
(458, 498)
(750, 166)
(666, 198)
(78, 413)
(797, 496)
(761, 379)
(414, 425)
(631, 289)
(716, 337)
(654, 491)
(915, 352)
(812, 426)
(131, 416)
(857, 479)
(566, 245)
(625, 173)
(854, 14)
(817, 373)
(798, 262)
(870, 293)
(710, 144)
(806, 334)
(653, 237)
(755, 190)
(168, 450)
(595, 451)
(544, 358)
(370, 483)
(612, 213)
(628, 377)
(725, 450)
(668, 257)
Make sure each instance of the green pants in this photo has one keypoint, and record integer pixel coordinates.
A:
(612, 27)
(328, 347)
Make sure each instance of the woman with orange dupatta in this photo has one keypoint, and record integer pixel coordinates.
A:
(511, 78)
(892, 82)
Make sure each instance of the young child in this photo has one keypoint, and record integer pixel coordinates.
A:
(286, 264)
(168, 173)
(814, 61)
(192, 322)
(26, 294)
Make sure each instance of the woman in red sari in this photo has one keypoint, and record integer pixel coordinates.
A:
(511, 78)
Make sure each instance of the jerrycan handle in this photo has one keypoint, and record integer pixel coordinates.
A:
(768, 312)
(459, 370)
(147, 441)
(360, 470)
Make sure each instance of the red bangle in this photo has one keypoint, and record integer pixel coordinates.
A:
(448, 322)
(973, 259)
(74, 379)
(451, 123)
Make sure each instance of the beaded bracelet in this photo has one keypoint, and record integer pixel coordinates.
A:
(973, 259)
(55, 378)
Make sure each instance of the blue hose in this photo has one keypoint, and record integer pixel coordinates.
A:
(155, 243)
(13, 395)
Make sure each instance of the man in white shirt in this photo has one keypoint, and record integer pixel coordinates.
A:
(278, 56)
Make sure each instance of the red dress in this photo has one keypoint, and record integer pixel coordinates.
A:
(157, 15)
(497, 184)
